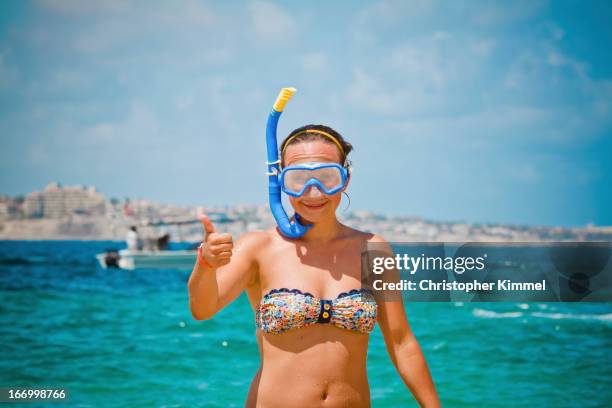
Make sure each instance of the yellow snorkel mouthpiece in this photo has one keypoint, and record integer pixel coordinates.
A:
(283, 97)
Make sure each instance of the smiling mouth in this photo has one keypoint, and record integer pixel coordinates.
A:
(314, 206)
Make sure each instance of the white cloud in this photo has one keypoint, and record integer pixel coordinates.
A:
(272, 23)
(421, 63)
(482, 47)
(505, 125)
(493, 14)
(367, 92)
(138, 129)
(554, 30)
(525, 173)
(80, 8)
(316, 61)
(372, 21)
(177, 12)
(386, 12)
(420, 75)
(440, 36)
(544, 67)
(558, 60)
(602, 99)
(114, 25)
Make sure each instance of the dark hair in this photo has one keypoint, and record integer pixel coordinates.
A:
(346, 146)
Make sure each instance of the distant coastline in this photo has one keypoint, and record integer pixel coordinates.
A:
(251, 218)
(83, 213)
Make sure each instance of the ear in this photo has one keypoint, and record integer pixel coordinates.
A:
(348, 180)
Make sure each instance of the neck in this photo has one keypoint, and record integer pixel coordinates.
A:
(322, 231)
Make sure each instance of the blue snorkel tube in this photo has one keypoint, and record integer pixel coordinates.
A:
(290, 229)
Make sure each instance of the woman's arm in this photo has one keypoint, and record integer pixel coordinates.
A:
(403, 347)
(226, 272)
(406, 354)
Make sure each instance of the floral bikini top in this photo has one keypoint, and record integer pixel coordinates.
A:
(284, 309)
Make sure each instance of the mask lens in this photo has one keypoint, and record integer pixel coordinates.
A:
(330, 177)
(295, 179)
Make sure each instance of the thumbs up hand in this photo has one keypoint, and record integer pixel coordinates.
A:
(217, 247)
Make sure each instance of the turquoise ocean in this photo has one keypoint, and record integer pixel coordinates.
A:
(121, 338)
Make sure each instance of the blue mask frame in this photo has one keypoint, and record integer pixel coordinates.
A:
(313, 181)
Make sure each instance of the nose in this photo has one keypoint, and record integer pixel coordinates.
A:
(313, 191)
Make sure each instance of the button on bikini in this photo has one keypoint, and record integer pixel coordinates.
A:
(324, 316)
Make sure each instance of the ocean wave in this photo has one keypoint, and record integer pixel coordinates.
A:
(495, 315)
(607, 317)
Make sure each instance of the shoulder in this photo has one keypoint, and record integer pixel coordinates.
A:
(375, 243)
(254, 239)
(249, 247)
(377, 239)
(367, 237)
(378, 243)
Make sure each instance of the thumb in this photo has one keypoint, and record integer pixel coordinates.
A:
(207, 224)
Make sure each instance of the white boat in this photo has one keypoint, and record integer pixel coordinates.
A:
(127, 259)
(153, 253)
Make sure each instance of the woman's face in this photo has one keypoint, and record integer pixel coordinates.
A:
(314, 205)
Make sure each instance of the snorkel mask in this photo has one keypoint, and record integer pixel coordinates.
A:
(329, 178)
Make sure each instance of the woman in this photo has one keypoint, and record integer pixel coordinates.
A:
(313, 319)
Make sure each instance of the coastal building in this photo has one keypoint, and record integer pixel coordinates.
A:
(33, 205)
(9, 208)
(57, 201)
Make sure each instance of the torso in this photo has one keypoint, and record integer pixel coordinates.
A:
(317, 365)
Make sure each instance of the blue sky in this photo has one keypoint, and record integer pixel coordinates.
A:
(475, 111)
